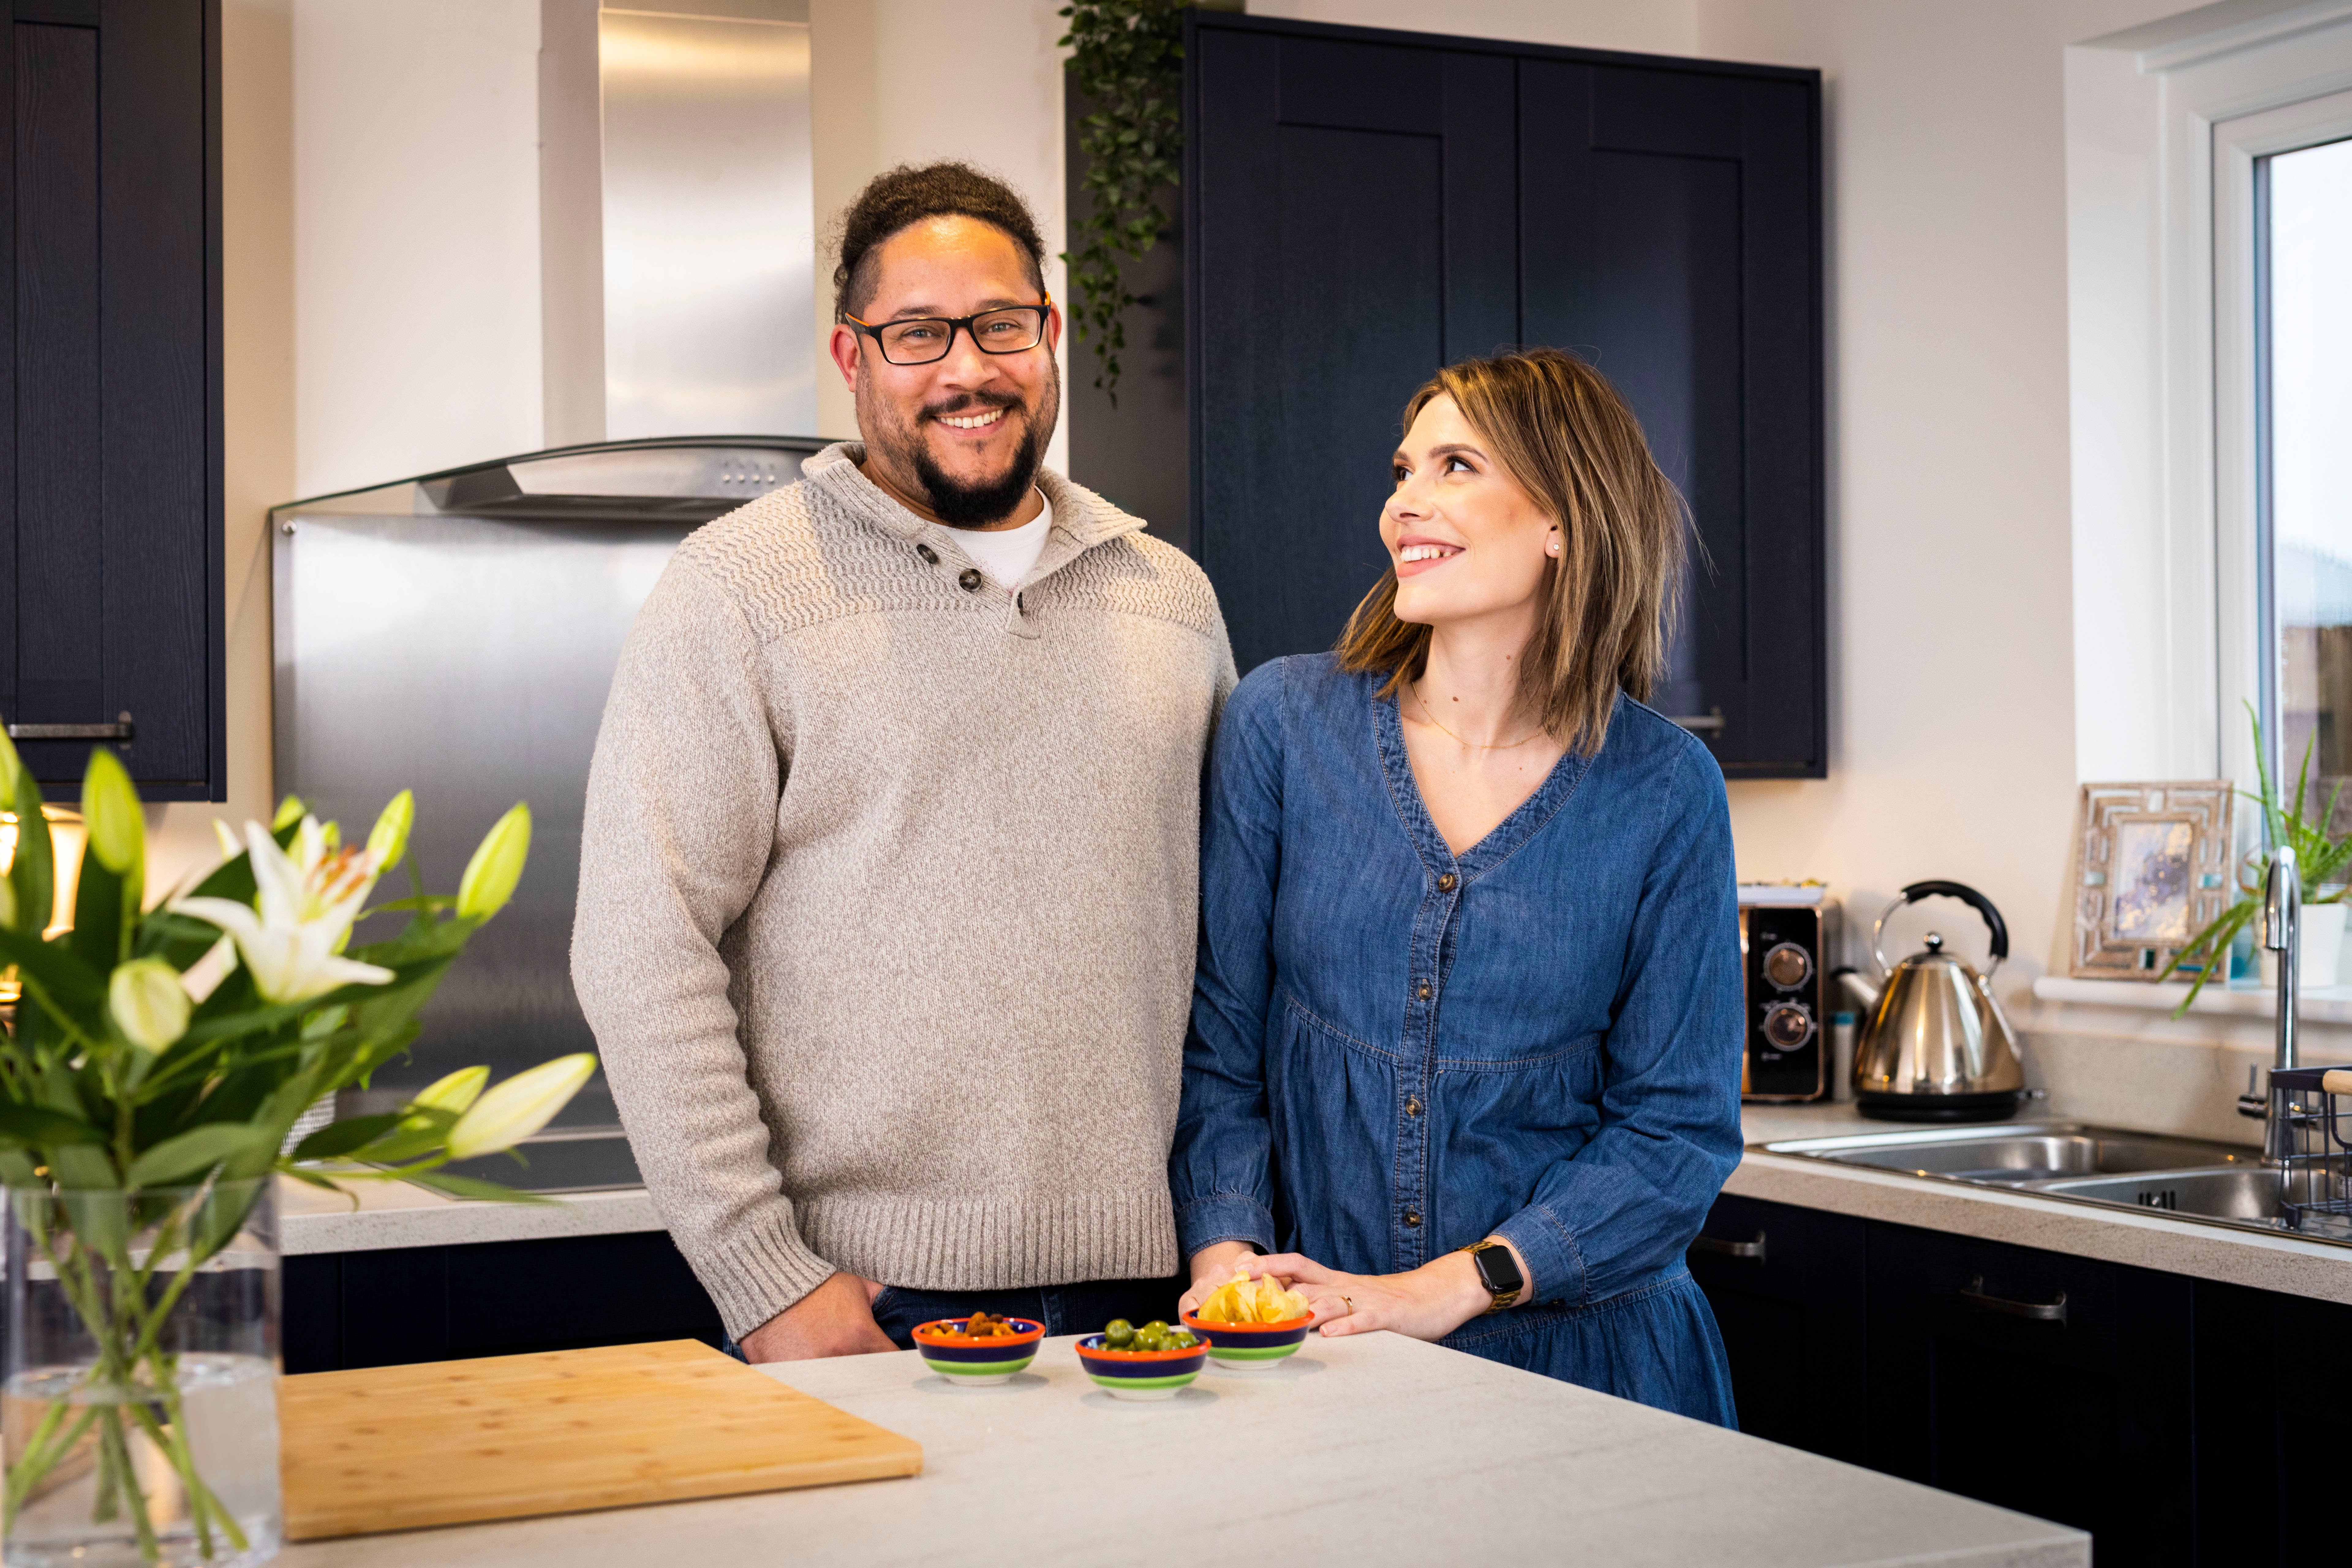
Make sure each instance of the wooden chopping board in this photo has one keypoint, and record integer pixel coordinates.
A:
(400, 1448)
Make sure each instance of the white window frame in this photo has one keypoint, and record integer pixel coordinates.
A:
(2163, 123)
(2237, 144)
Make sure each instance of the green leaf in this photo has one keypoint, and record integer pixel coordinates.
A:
(97, 936)
(32, 874)
(36, 1128)
(341, 1138)
(57, 980)
(470, 1187)
(194, 1152)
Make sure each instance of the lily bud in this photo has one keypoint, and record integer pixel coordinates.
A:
(289, 811)
(388, 840)
(226, 838)
(455, 1093)
(149, 1004)
(496, 866)
(11, 770)
(110, 810)
(8, 903)
(520, 1107)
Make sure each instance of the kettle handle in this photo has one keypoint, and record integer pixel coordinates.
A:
(1938, 890)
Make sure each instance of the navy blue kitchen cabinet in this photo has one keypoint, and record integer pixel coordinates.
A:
(1362, 206)
(402, 1305)
(2179, 1420)
(1788, 1287)
(2060, 1386)
(112, 574)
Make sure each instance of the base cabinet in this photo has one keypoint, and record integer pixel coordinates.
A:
(2172, 1418)
(446, 1303)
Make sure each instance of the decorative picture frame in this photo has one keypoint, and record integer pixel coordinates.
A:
(2151, 869)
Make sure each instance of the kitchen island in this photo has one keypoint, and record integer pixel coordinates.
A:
(1367, 1450)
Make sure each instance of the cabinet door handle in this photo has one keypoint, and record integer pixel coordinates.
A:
(1716, 1244)
(121, 730)
(2040, 1312)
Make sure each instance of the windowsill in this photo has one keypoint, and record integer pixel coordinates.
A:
(2322, 1005)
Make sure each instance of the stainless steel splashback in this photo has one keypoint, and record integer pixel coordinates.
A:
(456, 635)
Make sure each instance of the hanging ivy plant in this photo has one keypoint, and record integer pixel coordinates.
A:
(1127, 56)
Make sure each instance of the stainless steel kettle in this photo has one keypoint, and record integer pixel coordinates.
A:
(1932, 1046)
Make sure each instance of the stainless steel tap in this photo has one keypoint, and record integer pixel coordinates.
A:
(2282, 934)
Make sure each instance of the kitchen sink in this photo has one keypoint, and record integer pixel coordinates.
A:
(2007, 1156)
(2244, 1193)
(2218, 1184)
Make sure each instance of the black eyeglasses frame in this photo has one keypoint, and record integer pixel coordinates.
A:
(954, 324)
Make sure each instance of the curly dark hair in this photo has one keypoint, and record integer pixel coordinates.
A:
(908, 195)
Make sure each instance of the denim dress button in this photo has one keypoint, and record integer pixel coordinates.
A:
(1413, 1105)
(1413, 1217)
(1445, 883)
(1423, 991)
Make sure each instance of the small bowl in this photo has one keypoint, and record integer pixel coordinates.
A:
(1250, 1344)
(968, 1363)
(1141, 1374)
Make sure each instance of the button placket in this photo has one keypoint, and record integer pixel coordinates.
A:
(1408, 1234)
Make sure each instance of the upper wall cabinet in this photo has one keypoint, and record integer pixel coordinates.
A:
(1362, 208)
(110, 527)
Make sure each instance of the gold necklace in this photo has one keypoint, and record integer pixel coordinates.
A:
(1474, 746)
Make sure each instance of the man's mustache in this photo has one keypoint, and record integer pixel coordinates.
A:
(972, 403)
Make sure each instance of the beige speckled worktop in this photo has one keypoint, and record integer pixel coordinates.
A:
(2146, 1240)
(395, 1215)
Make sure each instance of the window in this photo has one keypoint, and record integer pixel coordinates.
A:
(2303, 220)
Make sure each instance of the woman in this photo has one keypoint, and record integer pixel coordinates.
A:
(1469, 962)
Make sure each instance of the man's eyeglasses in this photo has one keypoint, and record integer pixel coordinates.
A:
(1009, 329)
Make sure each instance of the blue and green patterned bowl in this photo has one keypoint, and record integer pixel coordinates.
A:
(1250, 1344)
(971, 1363)
(1141, 1374)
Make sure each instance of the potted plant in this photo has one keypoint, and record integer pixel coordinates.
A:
(2321, 862)
(159, 1060)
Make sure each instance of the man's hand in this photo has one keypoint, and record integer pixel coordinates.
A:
(834, 1319)
(1212, 1267)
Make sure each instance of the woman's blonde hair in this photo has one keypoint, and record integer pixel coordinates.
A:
(1568, 439)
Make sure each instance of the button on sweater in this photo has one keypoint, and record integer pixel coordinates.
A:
(888, 894)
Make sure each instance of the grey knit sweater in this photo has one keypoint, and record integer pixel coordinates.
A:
(888, 894)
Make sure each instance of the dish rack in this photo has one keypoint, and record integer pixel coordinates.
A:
(2313, 1132)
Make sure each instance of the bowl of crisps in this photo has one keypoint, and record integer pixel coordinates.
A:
(1251, 1323)
(978, 1351)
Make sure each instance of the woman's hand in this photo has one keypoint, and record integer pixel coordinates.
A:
(1424, 1303)
(1212, 1267)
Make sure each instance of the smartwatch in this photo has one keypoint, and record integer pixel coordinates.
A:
(1499, 1272)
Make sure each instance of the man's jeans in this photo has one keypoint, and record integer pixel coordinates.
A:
(1080, 1309)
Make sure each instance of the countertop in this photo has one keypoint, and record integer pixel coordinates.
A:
(395, 1215)
(1366, 1451)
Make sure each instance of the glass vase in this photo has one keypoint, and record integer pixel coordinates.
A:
(139, 1416)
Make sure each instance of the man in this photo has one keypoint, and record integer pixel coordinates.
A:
(888, 887)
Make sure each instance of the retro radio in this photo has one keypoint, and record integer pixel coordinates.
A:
(1785, 934)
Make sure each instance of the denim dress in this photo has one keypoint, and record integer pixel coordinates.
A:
(1396, 1051)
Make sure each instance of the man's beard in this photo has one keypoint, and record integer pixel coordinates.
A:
(962, 505)
(957, 502)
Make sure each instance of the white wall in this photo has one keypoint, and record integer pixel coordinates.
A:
(415, 218)
(1001, 111)
(1643, 26)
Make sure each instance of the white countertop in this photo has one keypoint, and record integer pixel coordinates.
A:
(1365, 1451)
(381, 1215)
(2148, 1240)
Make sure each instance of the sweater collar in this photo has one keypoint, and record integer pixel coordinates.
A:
(1082, 519)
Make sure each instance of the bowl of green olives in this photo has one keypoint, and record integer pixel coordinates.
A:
(1147, 1362)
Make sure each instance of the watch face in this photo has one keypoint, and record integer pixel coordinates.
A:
(1498, 1270)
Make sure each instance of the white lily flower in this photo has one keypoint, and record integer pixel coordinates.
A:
(520, 1107)
(306, 902)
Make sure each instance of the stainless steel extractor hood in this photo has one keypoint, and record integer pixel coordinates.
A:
(678, 230)
(456, 635)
